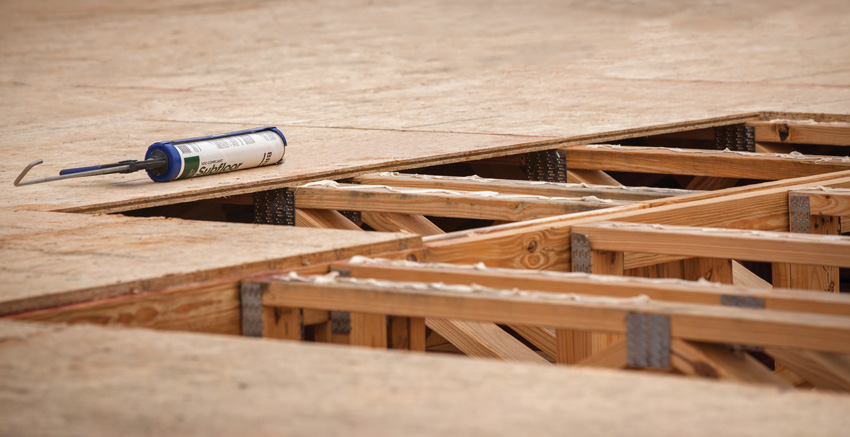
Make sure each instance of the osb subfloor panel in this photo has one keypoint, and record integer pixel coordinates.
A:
(105, 381)
(356, 86)
(51, 259)
(94, 81)
(313, 154)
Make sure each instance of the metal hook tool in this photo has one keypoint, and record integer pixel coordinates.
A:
(120, 167)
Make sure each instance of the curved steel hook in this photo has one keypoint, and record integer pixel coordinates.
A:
(24, 173)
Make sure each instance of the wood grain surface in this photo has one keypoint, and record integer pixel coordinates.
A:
(358, 88)
(51, 259)
(97, 381)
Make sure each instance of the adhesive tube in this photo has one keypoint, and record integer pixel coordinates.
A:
(217, 153)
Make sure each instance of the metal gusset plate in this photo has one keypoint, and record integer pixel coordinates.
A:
(737, 137)
(546, 166)
(275, 207)
(648, 340)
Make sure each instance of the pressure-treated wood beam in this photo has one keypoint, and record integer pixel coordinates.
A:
(688, 322)
(789, 131)
(460, 204)
(596, 285)
(506, 186)
(699, 162)
(719, 243)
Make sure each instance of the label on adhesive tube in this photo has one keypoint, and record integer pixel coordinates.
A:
(220, 155)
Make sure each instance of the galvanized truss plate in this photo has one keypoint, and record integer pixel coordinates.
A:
(648, 340)
(742, 301)
(580, 253)
(340, 322)
(737, 137)
(251, 296)
(275, 207)
(798, 214)
(546, 166)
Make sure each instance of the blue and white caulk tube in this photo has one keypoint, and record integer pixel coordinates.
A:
(213, 154)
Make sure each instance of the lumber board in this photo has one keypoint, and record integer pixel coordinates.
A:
(634, 260)
(574, 345)
(283, 323)
(392, 222)
(710, 183)
(762, 147)
(60, 259)
(211, 307)
(832, 202)
(544, 243)
(717, 361)
(406, 333)
(727, 164)
(689, 322)
(535, 188)
(708, 269)
(666, 270)
(802, 132)
(594, 177)
(108, 381)
(369, 330)
(744, 277)
(323, 219)
(542, 338)
(615, 356)
(461, 204)
(595, 285)
(808, 275)
(825, 371)
(483, 340)
(719, 243)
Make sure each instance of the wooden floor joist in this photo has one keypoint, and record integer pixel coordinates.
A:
(483, 339)
(688, 322)
(431, 88)
(718, 243)
(718, 361)
(595, 285)
(442, 203)
(802, 132)
(727, 164)
(393, 222)
(823, 370)
(506, 186)
(544, 243)
(323, 219)
(831, 202)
